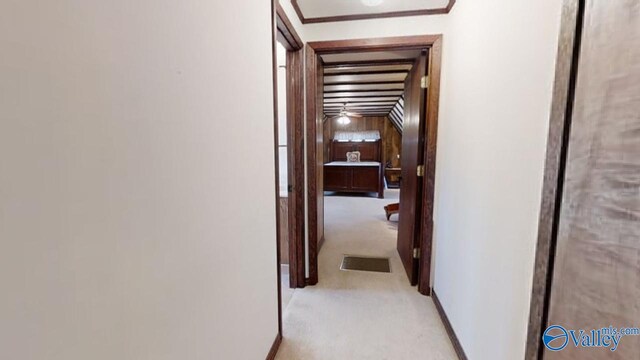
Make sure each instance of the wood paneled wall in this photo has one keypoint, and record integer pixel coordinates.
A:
(391, 138)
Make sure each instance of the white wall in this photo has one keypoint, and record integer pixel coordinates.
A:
(137, 212)
(496, 94)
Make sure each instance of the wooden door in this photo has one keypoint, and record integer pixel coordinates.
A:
(315, 157)
(409, 227)
(295, 165)
(596, 277)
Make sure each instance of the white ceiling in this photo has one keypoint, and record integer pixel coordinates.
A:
(329, 8)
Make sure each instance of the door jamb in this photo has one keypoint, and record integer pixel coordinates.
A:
(287, 35)
(282, 30)
(314, 51)
(553, 183)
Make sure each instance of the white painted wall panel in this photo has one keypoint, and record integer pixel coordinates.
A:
(137, 212)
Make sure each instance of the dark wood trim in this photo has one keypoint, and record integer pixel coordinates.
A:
(314, 50)
(362, 90)
(432, 105)
(274, 348)
(298, 11)
(356, 106)
(391, 101)
(382, 98)
(375, 44)
(356, 82)
(311, 76)
(364, 111)
(332, 94)
(340, 64)
(457, 346)
(366, 72)
(274, 74)
(381, 113)
(286, 30)
(552, 189)
(361, 112)
(304, 20)
(366, 88)
(361, 98)
(450, 5)
(295, 134)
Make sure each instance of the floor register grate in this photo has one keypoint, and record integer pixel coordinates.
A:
(361, 263)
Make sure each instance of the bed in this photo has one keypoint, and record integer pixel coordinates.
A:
(364, 176)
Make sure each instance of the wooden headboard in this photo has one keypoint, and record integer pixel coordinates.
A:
(369, 151)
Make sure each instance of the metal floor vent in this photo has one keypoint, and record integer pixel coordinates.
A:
(361, 263)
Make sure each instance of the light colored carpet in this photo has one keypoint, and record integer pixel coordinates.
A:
(285, 291)
(361, 315)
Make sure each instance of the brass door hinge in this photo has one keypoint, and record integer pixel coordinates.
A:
(420, 170)
(416, 253)
(424, 82)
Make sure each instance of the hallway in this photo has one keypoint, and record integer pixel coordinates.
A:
(361, 315)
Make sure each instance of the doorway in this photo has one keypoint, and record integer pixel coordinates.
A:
(356, 77)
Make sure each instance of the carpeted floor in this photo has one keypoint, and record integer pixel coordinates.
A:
(361, 315)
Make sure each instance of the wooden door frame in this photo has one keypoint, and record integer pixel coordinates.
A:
(313, 52)
(283, 31)
(286, 34)
(553, 184)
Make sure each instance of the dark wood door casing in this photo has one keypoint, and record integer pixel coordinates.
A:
(313, 51)
(431, 109)
(315, 158)
(295, 166)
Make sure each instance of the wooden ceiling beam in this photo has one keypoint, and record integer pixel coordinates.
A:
(361, 99)
(365, 82)
(367, 72)
(363, 87)
(341, 64)
(332, 94)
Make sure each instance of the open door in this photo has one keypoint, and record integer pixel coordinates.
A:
(315, 158)
(411, 185)
(421, 121)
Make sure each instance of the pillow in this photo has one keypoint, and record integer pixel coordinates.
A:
(353, 156)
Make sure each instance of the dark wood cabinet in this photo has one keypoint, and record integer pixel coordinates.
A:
(354, 178)
(369, 151)
(364, 176)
